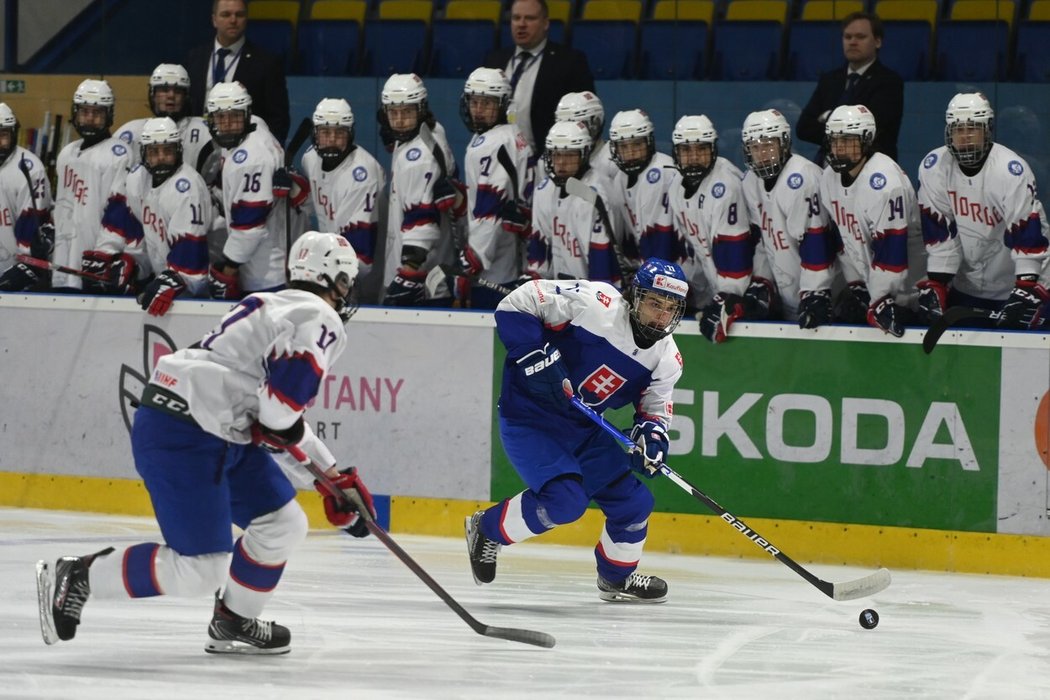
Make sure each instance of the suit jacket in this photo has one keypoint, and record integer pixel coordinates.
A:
(261, 73)
(880, 89)
(562, 70)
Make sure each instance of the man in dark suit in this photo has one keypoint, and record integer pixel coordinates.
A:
(540, 71)
(862, 81)
(232, 57)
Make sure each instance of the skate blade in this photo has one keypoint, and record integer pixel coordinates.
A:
(230, 646)
(44, 585)
(616, 597)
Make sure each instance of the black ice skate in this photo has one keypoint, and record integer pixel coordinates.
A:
(636, 588)
(61, 593)
(482, 551)
(229, 633)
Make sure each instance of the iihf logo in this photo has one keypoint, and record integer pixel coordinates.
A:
(877, 181)
(653, 175)
(931, 160)
(1015, 167)
(795, 181)
(718, 190)
(413, 153)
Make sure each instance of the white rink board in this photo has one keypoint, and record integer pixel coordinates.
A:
(409, 400)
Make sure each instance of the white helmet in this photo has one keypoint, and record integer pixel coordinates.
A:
(627, 126)
(694, 129)
(170, 75)
(849, 120)
(490, 82)
(96, 93)
(8, 121)
(228, 97)
(970, 109)
(567, 136)
(157, 131)
(582, 107)
(328, 261)
(334, 111)
(404, 89)
(766, 125)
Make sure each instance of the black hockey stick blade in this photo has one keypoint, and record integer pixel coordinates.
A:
(511, 634)
(439, 155)
(298, 139)
(578, 188)
(952, 317)
(847, 590)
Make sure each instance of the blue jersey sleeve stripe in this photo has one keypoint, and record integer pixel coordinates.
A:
(293, 379)
(189, 254)
(1027, 237)
(249, 215)
(488, 202)
(890, 250)
(419, 215)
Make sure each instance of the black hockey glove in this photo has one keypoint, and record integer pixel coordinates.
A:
(814, 308)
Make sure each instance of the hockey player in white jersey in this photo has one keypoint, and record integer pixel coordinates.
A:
(640, 188)
(25, 209)
(983, 224)
(165, 225)
(254, 183)
(345, 180)
(86, 170)
(872, 202)
(584, 338)
(713, 228)
(783, 199)
(419, 238)
(498, 201)
(569, 240)
(212, 420)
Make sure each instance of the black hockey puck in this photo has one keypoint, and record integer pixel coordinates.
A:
(869, 619)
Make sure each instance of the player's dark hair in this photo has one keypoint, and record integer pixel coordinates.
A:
(873, 19)
(544, 10)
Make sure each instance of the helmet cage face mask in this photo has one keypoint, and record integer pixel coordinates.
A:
(174, 76)
(967, 115)
(93, 93)
(688, 133)
(485, 82)
(160, 132)
(762, 128)
(333, 113)
(328, 263)
(849, 125)
(567, 137)
(228, 98)
(10, 125)
(657, 299)
(628, 128)
(399, 92)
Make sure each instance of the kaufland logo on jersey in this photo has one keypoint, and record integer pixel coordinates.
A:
(671, 285)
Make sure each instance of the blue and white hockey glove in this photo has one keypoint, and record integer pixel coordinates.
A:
(651, 438)
(544, 375)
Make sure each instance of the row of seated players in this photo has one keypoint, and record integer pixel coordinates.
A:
(770, 244)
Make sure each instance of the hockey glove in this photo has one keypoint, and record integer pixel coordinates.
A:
(1024, 307)
(288, 183)
(651, 438)
(718, 316)
(760, 299)
(43, 243)
(161, 292)
(852, 305)
(274, 441)
(118, 269)
(222, 284)
(469, 262)
(883, 315)
(342, 512)
(814, 308)
(408, 288)
(933, 299)
(517, 219)
(544, 376)
(18, 278)
(450, 195)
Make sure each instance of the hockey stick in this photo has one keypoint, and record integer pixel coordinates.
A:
(453, 271)
(47, 265)
(577, 188)
(23, 165)
(344, 498)
(953, 317)
(302, 132)
(847, 590)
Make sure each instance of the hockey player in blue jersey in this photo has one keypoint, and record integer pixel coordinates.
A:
(565, 337)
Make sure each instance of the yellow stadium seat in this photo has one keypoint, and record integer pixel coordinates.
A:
(287, 10)
(406, 9)
(983, 10)
(687, 10)
(560, 10)
(630, 10)
(767, 10)
(340, 9)
(1039, 10)
(907, 9)
(830, 9)
(473, 9)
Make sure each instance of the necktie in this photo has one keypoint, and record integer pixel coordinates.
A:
(851, 87)
(218, 73)
(523, 60)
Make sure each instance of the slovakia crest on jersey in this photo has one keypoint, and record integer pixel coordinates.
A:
(877, 181)
(240, 155)
(182, 184)
(653, 175)
(603, 299)
(360, 174)
(413, 153)
(929, 161)
(1015, 167)
(599, 385)
(119, 149)
(795, 181)
(718, 190)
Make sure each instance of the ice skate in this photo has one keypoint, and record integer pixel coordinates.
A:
(229, 633)
(61, 592)
(636, 588)
(482, 551)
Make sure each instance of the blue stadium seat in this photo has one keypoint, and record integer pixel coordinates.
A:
(328, 47)
(1031, 59)
(459, 46)
(747, 50)
(972, 51)
(609, 45)
(275, 35)
(811, 49)
(395, 46)
(673, 50)
(906, 48)
(555, 33)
